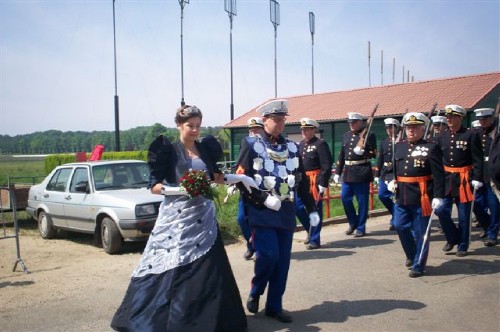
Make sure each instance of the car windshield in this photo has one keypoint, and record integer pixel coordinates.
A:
(120, 176)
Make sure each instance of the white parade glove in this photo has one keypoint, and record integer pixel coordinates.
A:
(247, 181)
(314, 219)
(321, 189)
(231, 190)
(336, 178)
(436, 203)
(359, 151)
(272, 203)
(476, 184)
(376, 180)
(169, 191)
(392, 186)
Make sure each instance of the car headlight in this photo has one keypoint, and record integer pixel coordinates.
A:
(145, 210)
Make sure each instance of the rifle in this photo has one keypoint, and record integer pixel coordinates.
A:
(401, 134)
(429, 117)
(364, 133)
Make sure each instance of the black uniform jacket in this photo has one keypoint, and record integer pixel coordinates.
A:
(316, 155)
(462, 148)
(421, 158)
(257, 197)
(360, 172)
(487, 136)
(494, 162)
(385, 170)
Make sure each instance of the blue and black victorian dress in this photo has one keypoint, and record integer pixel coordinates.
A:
(183, 281)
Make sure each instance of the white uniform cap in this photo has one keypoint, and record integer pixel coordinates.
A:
(484, 112)
(353, 116)
(391, 122)
(475, 124)
(278, 107)
(308, 123)
(255, 122)
(439, 119)
(414, 118)
(454, 109)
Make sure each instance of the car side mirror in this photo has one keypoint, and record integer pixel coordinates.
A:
(82, 187)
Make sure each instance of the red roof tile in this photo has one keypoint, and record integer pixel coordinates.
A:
(394, 99)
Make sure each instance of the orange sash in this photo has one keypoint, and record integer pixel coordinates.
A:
(425, 201)
(464, 193)
(312, 175)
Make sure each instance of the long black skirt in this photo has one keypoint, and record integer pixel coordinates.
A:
(200, 296)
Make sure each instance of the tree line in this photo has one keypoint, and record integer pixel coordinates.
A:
(56, 141)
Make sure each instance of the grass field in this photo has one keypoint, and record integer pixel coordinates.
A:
(21, 169)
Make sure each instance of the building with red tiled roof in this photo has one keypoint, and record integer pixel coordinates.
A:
(330, 109)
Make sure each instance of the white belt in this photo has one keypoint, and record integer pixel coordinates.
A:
(356, 162)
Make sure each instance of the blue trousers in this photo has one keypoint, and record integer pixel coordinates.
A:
(486, 200)
(385, 197)
(242, 218)
(411, 227)
(361, 191)
(273, 250)
(312, 232)
(455, 235)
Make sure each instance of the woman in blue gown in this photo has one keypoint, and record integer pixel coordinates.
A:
(183, 281)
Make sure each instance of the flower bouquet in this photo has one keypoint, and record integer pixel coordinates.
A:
(195, 183)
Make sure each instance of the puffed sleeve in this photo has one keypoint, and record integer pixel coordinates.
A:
(162, 160)
(211, 152)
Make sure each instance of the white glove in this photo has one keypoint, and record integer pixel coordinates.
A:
(170, 191)
(321, 189)
(476, 184)
(247, 181)
(376, 180)
(314, 219)
(359, 151)
(336, 178)
(436, 203)
(231, 190)
(392, 186)
(272, 203)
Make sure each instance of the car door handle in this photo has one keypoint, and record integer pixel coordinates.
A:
(46, 196)
(68, 198)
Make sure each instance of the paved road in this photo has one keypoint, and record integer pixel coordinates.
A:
(350, 284)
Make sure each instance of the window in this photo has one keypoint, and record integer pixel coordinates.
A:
(79, 176)
(59, 180)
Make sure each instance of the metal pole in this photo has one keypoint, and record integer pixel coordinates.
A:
(116, 100)
(274, 8)
(369, 69)
(182, 3)
(312, 29)
(230, 7)
(382, 67)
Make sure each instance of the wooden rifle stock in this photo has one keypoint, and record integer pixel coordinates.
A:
(429, 116)
(364, 133)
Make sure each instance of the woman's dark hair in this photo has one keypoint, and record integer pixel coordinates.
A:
(187, 112)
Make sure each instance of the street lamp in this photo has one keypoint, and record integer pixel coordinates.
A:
(312, 28)
(182, 3)
(117, 108)
(274, 8)
(230, 8)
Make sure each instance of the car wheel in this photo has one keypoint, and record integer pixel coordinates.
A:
(45, 226)
(110, 236)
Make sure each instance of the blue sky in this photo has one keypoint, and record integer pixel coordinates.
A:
(57, 69)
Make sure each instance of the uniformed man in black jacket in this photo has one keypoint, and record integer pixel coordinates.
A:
(486, 205)
(419, 188)
(385, 169)
(463, 161)
(317, 160)
(439, 125)
(354, 164)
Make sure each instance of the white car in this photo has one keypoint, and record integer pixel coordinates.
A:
(109, 199)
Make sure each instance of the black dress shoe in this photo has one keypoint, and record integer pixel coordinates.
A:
(461, 253)
(409, 262)
(359, 234)
(281, 316)
(490, 242)
(248, 254)
(483, 235)
(253, 304)
(312, 246)
(448, 247)
(415, 274)
(392, 228)
(349, 231)
(306, 241)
